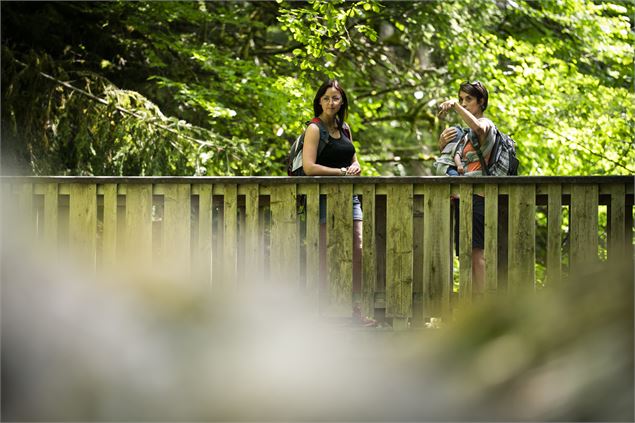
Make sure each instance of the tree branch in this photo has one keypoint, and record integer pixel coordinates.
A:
(582, 146)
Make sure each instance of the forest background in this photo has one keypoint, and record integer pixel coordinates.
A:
(221, 88)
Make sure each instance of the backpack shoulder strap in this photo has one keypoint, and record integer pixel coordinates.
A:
(347, 131)
(324, 134)
(477, 147)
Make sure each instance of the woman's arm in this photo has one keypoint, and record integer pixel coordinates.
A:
(309, 155)
(354, 169)
(479, 127)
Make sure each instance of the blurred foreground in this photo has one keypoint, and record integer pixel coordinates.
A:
(76, 347)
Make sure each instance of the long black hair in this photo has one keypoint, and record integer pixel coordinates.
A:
(317, 106)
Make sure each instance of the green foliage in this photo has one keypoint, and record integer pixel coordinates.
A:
(233, 82)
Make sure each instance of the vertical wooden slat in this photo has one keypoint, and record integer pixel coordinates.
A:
(230, 237)
(218, 232)
(522, 233)
(204, 253)
(175, 246)
(51, 205)
(399, 255)
(285, 248)
(503, 243)
(83, 222)
(109, 230)
(436, 247)
(617, 248)
(465, 243)
(417, 260)
(491, 238)
(25, 213)
(584, 227)
(312, 243)
(253, 255)
(369, 259)
(628, 251)
(339, 249)
(380, 243)
(139, 225)
(554, 235)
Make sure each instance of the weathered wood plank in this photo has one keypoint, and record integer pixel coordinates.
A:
(25, 214)
(380, 240)
(617, 248)
(312, 213)
(339, 250)
(369, 258)
(285, 248)
(399, 253)
(204, 252)
(109, 226)
(82, 222)
(253, 254)
(522, 233)
(417, 259)
(436, 245)
(175, 248)
(554, 235)
(51, 206)
(491, 239)
(466, 209)
(138, 243)
(230, 238)
(584, 227)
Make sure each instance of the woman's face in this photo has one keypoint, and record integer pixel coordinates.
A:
(470, 103)
(331, 102)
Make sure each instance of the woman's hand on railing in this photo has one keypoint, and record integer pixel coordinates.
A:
(353, 169)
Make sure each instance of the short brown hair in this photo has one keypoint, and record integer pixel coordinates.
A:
(476, 89)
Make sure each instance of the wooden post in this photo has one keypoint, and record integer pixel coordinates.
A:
(176, 259)
(230, 238)
(369, 259)
(51, 205)
(285, 248)
(204, 253)
(83, 223)
(491, 238)
(339, 250)
(399, 255)
(522, 233)
(138, 245)
(465, 243)
(313, 271)
(554, 235)
(253, 270)
(436, 245)
(617, 246)
(584, 228)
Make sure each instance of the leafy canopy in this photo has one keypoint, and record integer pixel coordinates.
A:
(220, 88)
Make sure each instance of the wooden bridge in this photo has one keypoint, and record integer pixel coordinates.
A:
(232, 233)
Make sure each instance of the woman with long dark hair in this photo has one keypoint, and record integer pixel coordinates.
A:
(337, 158)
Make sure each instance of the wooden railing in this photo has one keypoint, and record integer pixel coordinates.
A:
(236, 232)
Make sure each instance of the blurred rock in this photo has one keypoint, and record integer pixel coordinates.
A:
(124, 347)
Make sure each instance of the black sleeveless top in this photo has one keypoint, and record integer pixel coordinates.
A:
(338, 152)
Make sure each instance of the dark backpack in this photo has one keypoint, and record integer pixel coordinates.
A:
(503, 160)
(294, 160)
